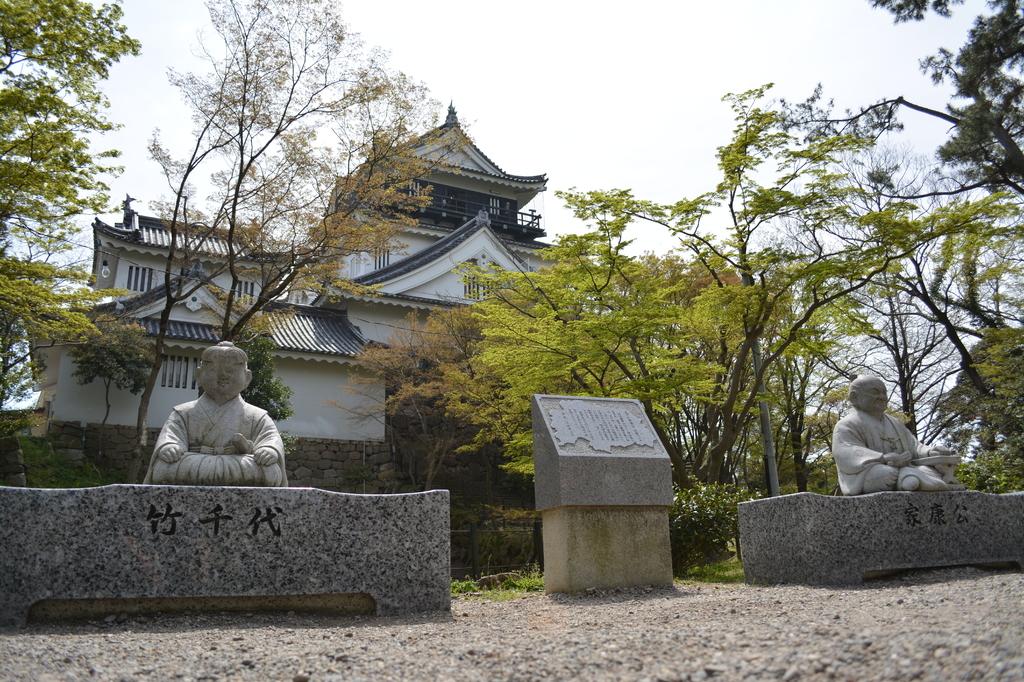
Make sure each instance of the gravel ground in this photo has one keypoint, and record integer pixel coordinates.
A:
(953, 624)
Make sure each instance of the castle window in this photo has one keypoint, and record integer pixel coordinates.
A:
(381, 259)
(356, 265)
(178, 371)
(139, 278)
(244, 288)
(472, 286)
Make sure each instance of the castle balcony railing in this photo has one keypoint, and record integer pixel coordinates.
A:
(452, 206)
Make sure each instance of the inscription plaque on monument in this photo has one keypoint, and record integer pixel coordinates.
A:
(600, 425)
(597, 451)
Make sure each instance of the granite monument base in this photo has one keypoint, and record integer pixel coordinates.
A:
(604, 547)
(126, 547)
(817, 540)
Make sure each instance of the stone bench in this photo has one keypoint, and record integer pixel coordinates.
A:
(136, 548)
(818, 540)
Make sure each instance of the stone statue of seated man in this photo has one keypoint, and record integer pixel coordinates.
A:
(219, 439)
(875, 452)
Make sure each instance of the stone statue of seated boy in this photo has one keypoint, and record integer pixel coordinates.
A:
(219, 439)
(875, 452)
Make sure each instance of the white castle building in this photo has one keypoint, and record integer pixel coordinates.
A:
(478, 214)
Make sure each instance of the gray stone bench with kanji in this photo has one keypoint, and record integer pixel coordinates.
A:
(818, 540)
(129, 547)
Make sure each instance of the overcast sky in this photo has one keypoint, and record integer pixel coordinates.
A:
(594, 94)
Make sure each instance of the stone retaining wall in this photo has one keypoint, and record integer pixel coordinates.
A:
(342, 465)
(72, 441)
(370, 467)
(12, 463)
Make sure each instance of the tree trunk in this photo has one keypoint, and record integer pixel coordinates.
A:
(136, 466)
(796, 444)
(106, 414)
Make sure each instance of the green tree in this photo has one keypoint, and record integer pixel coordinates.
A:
(40, 304)
(991, 426)
(780, 209)
(985, 114)
(117, 354)
(770, 255)
(422, 366)
(598, 322)
(54, 54)
(307, 140)
(266, 390)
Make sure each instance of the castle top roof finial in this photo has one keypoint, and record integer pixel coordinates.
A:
(128, 213)
(453, 117)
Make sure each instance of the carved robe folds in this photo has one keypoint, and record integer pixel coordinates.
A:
(205, 432)
(858, 443)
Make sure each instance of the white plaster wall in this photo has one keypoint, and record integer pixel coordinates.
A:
(131, 258)
(316, 386)
(378, 322)
(408, 244)
(447, 287)
(74, 402)
(332, 400)
(535, 261)
(204, 315)
(223, 280)
(404, 245)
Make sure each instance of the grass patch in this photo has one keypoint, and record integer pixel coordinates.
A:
(728, 571)
(502, 587)
(464, 586)
(45, 469)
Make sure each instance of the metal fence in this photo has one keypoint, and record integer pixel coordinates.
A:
(484, 550)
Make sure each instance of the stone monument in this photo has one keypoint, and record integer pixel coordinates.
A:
(902, 508)
(88, 552)
(815, 539)
(875, 452)
(603, 484)
(225, 534)
(219, 439)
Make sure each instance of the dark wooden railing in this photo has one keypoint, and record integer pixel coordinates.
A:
(452, 206)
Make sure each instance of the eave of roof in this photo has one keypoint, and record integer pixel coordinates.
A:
(152, 233)
(424, 256)
(314, 330)
(293, 327)
(404, 300)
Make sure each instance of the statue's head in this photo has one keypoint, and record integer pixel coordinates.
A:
(867, 393)
(224, 372)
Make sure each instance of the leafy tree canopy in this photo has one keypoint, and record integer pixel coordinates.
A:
(116, 354)
(54, 54)
(986, 112)
(266, 390)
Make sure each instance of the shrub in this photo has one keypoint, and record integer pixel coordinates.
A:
(465, 585)
(45, 469)
(531, 580)
(992, 472)
(702, 523)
